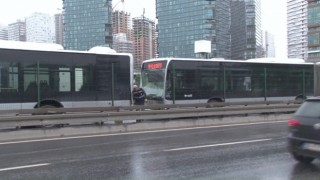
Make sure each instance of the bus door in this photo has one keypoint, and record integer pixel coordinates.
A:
(238, 80)
(210, 80)
(113, 77)
(183, 84)
(105, 78)
(30, 81)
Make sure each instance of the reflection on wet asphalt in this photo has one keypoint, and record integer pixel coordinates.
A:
(210, 153)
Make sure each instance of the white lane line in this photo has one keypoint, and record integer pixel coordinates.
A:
(24, 167)
(141, 132)
(217, 145)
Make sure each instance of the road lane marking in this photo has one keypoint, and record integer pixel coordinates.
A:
(141, 132)
(24, 167)
(216, 145)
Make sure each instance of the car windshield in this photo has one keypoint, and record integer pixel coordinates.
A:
(309, 109)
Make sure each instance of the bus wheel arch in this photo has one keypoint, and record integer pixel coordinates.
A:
(215, 99)
(49, 103)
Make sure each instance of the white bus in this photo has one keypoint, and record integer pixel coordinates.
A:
(44, 75)
(178, 80)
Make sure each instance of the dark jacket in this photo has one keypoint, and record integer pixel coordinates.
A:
(139, 96)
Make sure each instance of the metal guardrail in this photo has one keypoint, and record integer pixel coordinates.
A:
(56, 116)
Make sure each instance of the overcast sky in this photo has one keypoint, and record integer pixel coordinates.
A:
(273, 14)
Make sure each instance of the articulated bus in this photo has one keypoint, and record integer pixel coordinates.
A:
(44, 75)
(181, 81)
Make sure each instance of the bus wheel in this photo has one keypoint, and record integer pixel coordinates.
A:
(47, 106)
(299, 99)
(215, 100)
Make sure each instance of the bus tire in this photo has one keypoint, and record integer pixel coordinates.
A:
(299, 99)
(215, 100)
(47, 106)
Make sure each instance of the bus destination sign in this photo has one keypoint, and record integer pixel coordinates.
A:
(156, 65)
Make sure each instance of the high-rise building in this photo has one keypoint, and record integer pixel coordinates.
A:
(182, 22)
(269, 45)
(40, 28)
(144, 40)
(121, 43)
(87, 23)
(58, 20)
(246, 33)
(3, 33)
(121, 23)
(297, 28)
(313, 31)
(17, 31)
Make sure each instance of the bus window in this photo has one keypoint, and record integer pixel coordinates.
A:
(9, 84)
(280, 78)
(238, 82)
(30, 78)
(186, 87)
(78, 78)
(247, 83)
(209, 80)
(64, 80)
(8, 77)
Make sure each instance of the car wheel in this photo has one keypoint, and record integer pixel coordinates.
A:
(302, 159)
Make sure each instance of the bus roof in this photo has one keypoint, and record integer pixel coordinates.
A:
(51, 47)
(30, 46)
(101, 50)
(237, 61)
(277, 60)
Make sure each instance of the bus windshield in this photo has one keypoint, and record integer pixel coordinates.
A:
(152, 78)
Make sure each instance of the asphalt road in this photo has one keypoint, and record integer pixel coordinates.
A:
(252, 151)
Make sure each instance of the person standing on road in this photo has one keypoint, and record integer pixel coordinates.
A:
(139, 95)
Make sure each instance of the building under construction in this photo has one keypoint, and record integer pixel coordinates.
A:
(121, 43)
(122, 23)
(144, 40)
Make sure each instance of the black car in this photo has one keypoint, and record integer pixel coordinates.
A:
(304, 131)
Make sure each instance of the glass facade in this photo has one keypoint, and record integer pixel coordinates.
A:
(182, 22)
(88, 23)
(246, 33)
(297, 29)
(314, 31)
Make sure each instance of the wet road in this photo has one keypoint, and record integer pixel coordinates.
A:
(254, 151)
